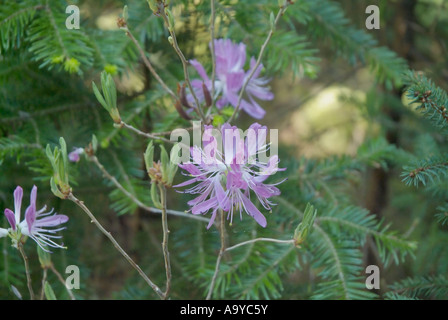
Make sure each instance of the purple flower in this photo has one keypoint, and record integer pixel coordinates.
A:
(226, 177)
(37, 224)
(74, 156)
(230, 76)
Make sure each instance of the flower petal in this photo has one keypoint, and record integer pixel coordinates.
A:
(30, 213)
(11, 218)
(212, 219)
(253, 109)
(253, 211)
(185, 183)
(52, 221)
(200, 69)
(18, 195)
(204, 206)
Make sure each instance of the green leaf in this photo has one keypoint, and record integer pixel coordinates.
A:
(165, 163)
(174, 163)
(44, 257)
(155, 196)
(272, 21)
(99, 97)
(49, 293)
(149, 156)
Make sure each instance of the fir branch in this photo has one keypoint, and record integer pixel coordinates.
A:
(267, 279)
(432, 169)
(293, 53)
(15, 146)
(340, 269)
(335, 246)
(432, 101)
(55, 46)
(326, 19)
(360, 223)
(431, 287)
(442, 215)
(14, 17)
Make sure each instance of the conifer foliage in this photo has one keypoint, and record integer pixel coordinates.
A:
(86, 115)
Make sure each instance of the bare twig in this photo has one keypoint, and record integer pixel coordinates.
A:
(166, 232)
(260, 239)
(144, 134)
(44, 279)
(61, 280)
(212, 46)
(184, 64)
(140, 204)
(116, 245)
(149, 65)
(222, 250)
(27, 270)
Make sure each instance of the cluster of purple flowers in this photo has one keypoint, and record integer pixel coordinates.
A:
(227, 170)
(230, 77)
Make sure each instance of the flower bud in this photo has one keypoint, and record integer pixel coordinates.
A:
(183, 96)
(165, 162)
(174, 162)
(272, 21)
(149, 157)
(59, 182)
(109, 101)
(125, 13)
(181, 111)
(304, 228)
(207, 96)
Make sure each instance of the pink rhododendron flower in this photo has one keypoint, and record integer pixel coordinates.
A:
(229, 178)
(230, 76)
(36, 225)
